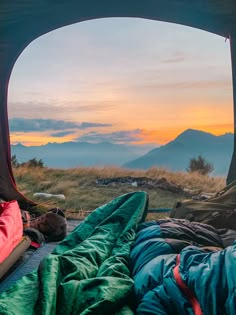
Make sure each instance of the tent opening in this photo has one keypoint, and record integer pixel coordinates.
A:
(106, 92)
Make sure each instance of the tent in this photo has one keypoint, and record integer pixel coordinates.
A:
(23, 21)
(89, 272)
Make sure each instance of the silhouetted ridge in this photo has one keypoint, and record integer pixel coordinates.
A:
(176, 154)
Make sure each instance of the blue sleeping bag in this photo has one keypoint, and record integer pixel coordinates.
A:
(182, 267)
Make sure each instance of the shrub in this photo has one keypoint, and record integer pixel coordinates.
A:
(14, 161)
(34, 163)
(200, 165)
(30, 163)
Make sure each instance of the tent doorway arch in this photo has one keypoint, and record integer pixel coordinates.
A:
(21, 23)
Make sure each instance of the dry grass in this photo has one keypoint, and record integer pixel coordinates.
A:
(82, 194)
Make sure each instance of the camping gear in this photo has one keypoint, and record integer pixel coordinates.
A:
(25, 218)
(12, 242)
(182, 267)
(88, 272)
(13, 257)
(51, 224)
(218, 211)
(31, 259)
(11, 228)
(35, 235)
(170, 266)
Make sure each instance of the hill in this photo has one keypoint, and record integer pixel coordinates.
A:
(176, 154)
(74, 154)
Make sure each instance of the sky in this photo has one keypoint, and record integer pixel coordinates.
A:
(122, 80)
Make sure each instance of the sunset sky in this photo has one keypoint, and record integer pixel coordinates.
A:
(121, 80)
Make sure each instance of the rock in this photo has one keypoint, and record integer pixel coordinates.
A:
(45, 195)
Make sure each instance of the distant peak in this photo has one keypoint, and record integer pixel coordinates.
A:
(195, 131)
(19, 144)
(189, 134)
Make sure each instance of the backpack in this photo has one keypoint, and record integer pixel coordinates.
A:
(218, 211)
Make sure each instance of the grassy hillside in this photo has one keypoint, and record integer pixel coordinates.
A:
(82, 193)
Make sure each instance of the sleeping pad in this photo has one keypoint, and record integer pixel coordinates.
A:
(88, 272)
(184, 268)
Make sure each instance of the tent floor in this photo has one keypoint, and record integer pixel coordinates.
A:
(31, 260)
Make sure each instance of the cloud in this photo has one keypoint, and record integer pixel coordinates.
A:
(61, 134)
(58, 108)
(91, 106)
(29, 125)
(31, 109)
(39, 125)
(85, 125)
(191, 85)
(125, 136)
(175, 58)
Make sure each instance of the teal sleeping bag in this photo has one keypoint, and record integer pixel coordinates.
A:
(184, 268)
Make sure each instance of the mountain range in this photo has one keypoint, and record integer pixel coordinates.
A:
(74, 154)
(174, 155)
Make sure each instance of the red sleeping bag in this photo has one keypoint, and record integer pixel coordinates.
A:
(11, 228)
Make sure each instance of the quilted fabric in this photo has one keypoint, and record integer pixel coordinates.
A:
(11, 227)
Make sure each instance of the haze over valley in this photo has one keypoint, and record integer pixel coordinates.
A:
(175, 155)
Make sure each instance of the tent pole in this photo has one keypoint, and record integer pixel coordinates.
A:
(232, 169)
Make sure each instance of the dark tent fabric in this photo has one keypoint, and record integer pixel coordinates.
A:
(23, 21)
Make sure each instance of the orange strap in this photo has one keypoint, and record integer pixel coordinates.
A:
(187, 292)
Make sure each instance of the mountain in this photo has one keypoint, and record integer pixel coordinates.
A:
(74, 154)
(176, 154)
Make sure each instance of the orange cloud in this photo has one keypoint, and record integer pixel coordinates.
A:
(165, 135)
(217, 129)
